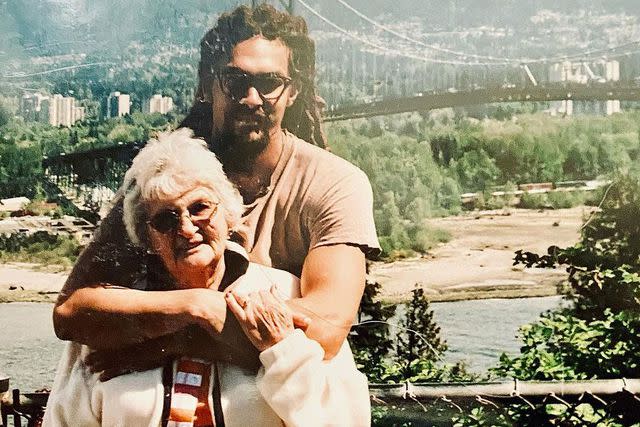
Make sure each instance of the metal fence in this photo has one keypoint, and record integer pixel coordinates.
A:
(512, 403)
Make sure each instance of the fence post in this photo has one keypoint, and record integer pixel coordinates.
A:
(17, 419)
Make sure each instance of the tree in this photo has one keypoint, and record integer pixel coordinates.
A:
(418, 344)
(596, 337)
(5, 115)
(371, 342)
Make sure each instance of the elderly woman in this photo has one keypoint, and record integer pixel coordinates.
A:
(180, 206)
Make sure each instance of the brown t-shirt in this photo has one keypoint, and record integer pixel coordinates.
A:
(315, 198)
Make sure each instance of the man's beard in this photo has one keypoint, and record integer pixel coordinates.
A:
(234, 143)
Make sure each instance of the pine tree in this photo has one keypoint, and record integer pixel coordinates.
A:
(371, 342)
(418, 343)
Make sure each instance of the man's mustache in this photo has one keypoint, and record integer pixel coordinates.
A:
(259, 114)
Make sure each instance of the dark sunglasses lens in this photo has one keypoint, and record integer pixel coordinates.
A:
(267, 85)
(236, 84)
(165, 221)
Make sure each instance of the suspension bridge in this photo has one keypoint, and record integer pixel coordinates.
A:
(391, 71)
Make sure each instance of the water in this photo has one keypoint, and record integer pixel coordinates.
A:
(479, 331)
(29, 349)
(476, 331)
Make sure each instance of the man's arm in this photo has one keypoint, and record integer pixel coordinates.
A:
(332, 284)
(107, 317)
(96, 308)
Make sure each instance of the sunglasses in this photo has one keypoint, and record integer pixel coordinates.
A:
(235, 84)
(168, 220)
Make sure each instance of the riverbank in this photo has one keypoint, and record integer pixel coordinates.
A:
(24, 282)
(477, 262)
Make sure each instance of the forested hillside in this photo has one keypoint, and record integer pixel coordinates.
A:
(419, 165)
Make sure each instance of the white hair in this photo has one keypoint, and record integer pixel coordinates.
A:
(168, 166)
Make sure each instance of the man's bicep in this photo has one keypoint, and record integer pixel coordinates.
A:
(332, 284)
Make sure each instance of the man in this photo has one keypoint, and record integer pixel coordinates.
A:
(307, 211)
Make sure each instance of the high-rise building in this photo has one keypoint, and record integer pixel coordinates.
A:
(159, 104)
(63, 111)
(57, 110)
(602, 71)
(32, 105)
(118, 105)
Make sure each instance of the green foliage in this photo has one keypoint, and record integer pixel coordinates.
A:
(5, 115)
(418, 343)
(371, 341)
(20, 171)
(595, 336)
(562, 346)
(23, 144)
(419, 165)
(545, 415)
(415, 351)
(39, 247)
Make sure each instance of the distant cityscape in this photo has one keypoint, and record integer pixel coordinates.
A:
(59, 110)
(583, 72)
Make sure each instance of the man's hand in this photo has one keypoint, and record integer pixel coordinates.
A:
(140, 357)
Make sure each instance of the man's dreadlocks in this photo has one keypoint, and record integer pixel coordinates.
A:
(303, 117)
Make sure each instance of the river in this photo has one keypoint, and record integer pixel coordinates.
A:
(476, 331)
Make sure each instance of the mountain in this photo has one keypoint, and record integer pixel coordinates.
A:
(365, 47)
(53, 27)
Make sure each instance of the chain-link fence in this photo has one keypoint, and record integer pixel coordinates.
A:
(513, 403)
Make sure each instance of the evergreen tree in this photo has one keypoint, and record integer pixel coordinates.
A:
(371, 342)
(418, 342)
(5, 115)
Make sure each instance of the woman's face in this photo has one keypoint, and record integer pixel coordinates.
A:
(188, 232)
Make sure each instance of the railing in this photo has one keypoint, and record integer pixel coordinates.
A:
(545, 403)
(531, 403)
(22, 409)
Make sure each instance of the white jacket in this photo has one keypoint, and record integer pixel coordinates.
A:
(294, 386)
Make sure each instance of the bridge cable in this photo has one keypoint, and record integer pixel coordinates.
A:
(391, 51)
(584, 56)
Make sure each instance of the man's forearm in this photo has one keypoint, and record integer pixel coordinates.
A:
(330, 296)
(106, 318)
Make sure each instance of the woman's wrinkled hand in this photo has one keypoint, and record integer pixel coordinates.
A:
(263, 316)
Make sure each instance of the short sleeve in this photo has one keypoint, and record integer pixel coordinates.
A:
(344, 215)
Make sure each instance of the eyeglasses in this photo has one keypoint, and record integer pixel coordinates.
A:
(235, 84)
(168, 220)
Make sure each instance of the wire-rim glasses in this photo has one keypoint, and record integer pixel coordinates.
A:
(168, 220)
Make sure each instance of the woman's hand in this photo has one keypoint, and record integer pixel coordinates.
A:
(263, 316)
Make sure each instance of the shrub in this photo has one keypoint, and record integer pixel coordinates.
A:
(595, 337)
(39, 247)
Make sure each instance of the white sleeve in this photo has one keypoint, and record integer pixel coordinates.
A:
(69, 403)
(78, 398)
(305, 390)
